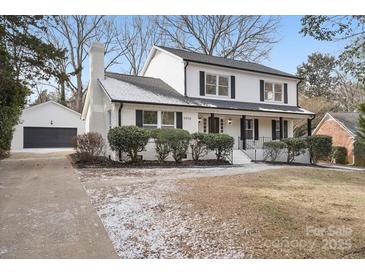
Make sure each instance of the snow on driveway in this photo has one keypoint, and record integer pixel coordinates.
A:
(144, 217)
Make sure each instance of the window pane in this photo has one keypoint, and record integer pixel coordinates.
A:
(278, 88)
(210, 90)
(150, 117)
(223, 81)
(277, 96)
(223, 91)
(277, 125)
(249, 124)
(268, 86)
(211, 79)
(168, 118)
(268, 95)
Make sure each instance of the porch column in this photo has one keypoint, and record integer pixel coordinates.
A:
(243, 131)
(281, 127)
(309, 127)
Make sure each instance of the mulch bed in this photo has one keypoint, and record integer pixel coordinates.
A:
(104, 162)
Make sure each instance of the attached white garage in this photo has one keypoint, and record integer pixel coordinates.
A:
(47, 125)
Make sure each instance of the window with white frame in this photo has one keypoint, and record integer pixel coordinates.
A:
(150, 119)
(109, 117)
(167, 119)
(216, 85)
(273, 92)
(249, 129)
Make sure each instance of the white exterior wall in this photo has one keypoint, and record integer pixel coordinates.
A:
(128, 118)
(247, 84)
(168, 68)
(190, 123)
(42, 116)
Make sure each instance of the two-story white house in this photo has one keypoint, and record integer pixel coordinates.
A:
(199, 93)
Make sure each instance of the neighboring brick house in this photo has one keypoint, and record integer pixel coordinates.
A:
(342, 126)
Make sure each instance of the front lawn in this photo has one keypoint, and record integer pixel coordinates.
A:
(271, 212)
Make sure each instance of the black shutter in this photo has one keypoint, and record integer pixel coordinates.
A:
(179, 120)
(243, 131)
(202, 83)
(285, 93)
(285, 129)
(262, 94)
(256, 127)
(273, 126)
(233, 87)
(139, 118)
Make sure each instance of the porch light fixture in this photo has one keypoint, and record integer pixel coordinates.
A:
(229, 121)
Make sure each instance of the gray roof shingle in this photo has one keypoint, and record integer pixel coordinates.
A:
(226, 62)
(148, 90)
(350, 120)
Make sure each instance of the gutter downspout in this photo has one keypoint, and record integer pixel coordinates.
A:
(185, 66)
(119, 124)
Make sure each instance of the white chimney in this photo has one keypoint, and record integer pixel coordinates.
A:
(96, 68)
(96, 61)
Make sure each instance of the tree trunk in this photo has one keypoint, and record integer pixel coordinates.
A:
(79, 93)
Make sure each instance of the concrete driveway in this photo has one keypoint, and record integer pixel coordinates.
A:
(45, 212)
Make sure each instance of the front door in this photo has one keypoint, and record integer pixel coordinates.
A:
(213, 125)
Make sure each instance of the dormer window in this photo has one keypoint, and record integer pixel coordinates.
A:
(273, 92)
(216, 85)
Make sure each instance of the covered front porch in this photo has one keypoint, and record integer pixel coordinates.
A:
(251, 130)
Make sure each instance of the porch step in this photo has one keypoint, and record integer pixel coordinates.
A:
(239, 157)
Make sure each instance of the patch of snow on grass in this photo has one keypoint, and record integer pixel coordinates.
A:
(144, 219)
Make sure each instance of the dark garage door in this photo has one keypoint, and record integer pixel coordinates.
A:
(46, 137)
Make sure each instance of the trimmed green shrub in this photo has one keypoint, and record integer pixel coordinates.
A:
(198, 145)
(339, 155)
(162, 147)
(128, 139)
(222, 144)
(273, 149)
(178, 142)
(88, 145)
(319, 146)
(359, 153)
(295, 147)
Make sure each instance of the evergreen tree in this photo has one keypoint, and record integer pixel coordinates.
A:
(24, 58)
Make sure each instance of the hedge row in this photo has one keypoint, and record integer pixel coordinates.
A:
(319, 147)
(175, 142)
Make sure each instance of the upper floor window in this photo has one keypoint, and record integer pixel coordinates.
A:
(216, 85)
(150, 119)
(273, 92)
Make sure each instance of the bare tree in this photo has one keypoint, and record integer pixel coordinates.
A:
(248, 38)
(75, 34)
(138, 36)
(348, 93)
